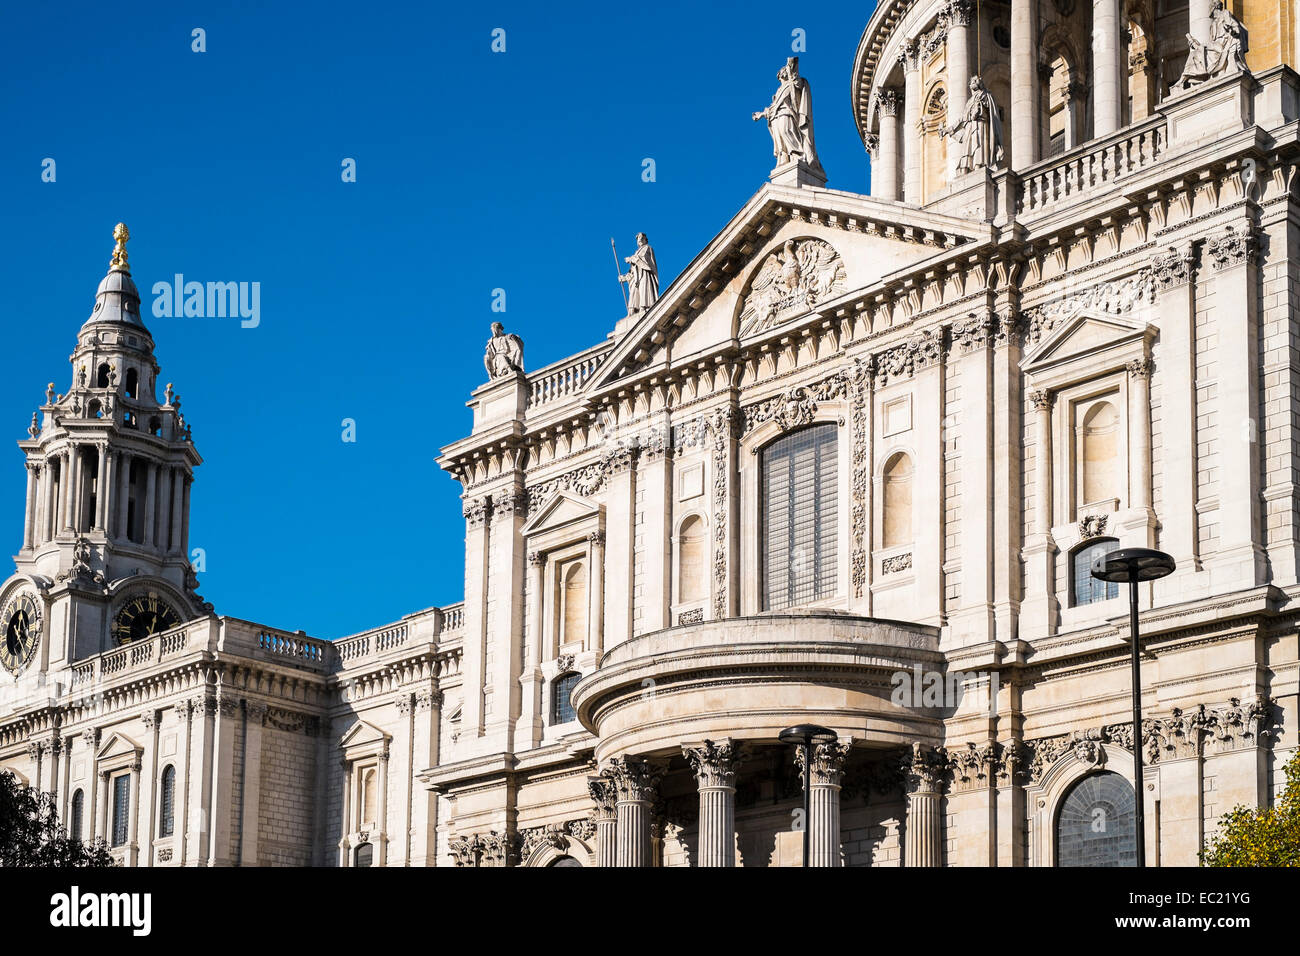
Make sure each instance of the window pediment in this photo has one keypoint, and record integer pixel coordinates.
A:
(1103, 342)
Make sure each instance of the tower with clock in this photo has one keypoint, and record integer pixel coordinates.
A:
(105, 553)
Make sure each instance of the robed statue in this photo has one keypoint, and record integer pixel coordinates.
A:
(642, 276)
(1224, 53)
(978, 131)
(789, 119)
(505, 353)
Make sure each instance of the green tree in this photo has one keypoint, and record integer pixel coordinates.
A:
(30, 834)
(1263, 837)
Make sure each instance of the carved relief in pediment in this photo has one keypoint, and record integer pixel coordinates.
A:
(792, 281)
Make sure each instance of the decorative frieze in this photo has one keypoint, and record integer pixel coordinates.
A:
(896, 563)
(974, 765)
(694, 616)
(922, 350)
(1109, 298)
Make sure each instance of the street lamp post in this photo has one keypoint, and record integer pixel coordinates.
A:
(806, 736)
(1132, 565)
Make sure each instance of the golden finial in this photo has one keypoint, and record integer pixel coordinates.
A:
(121, 234)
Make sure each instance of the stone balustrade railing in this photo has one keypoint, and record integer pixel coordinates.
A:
(565, 378)
(140, 654)
(1090, 167)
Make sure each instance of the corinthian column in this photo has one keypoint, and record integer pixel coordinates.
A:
(1024, 83)
(911, 64)
(884, 176)
(715, 767)
(926, 770)
(827, 772)
(605, 816)
(635, 783)
(1106, 107)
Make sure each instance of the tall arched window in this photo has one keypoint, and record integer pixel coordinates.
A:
(575, 604)
(167, 802)
(897, 501)
(799, 517)
(369, 795)
(132, 382)
(1084, 588)
(1095, 824)
(1098, 450)
(562, 711)
(690, 560)
(74, 817)
(1063, 96)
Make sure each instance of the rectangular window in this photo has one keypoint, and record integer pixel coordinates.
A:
(121, 807)
(800, 499)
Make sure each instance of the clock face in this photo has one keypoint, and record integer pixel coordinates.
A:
(21, 620)
(143, 616)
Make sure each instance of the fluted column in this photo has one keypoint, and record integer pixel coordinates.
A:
(150, 497)
(605, 816)
(635, 782)
(926, 772)
(910, 62)
(101, 490)
(29, 515)
(959, 71)
(1024, 83)
(885, 173)
(1106, 87)
(823, 821)
(123, 497)
(715, 767)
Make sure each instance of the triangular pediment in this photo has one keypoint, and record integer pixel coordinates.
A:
(1086, 334)
(363, 734)
(558, 511)
(787, 257)
(118, 745)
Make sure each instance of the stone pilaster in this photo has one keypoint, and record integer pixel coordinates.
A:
(715, 767)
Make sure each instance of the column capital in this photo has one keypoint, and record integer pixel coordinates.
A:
(715, 764)
(509, 504)
(888, 98)
(827, 762)
(1140, 368)
(1175, 267)
(1233, 247)
(634, 778)
(926, 769)
(605, 798)
(909, 57)
(477, 511)
(872, 142)
(536, 559)
(959, 13)
(1042, 399)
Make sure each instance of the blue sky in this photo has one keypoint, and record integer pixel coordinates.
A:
(475, 171)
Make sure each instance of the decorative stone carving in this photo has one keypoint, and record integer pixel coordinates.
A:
(1224, 53)
(925, 769)
(789, 120)
(564, 663)
(1109, 298)
(477, 511)
(921, 351)
(714, 765)
(504, 355)
(1040, 399)
(797, 406)
(1092, 526)
(791, 282)
(553, 835)
(1173, 268)
(973, 765)
(1140, 368)
(509, 504)
(860, 376)
(634, 778)
(826, 763)
(604, 795)
(693, 616)
(1235, 247)
(428, 699)
(896, 563)
(723, 425)
(977, 332)
(979, 131)
(81, 572)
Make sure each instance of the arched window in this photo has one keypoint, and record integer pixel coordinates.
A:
(575, 604)
(74, 817)
(690, 560)
(132, 382)
(167, 803)
(562, 711)
(101, 376)
(1095, 824)
(369, 792)
(934, 163)
(1084, 588)
(365, 855)
(1063, 99)
(799, 517)
(1098, 450)
(896, 495)
(564, 861)
(121, 808)
(94, 409)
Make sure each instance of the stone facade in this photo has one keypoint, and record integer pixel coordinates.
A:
(1004, 358)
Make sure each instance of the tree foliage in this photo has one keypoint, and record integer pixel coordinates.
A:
(30, 833)
(1261, 837)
